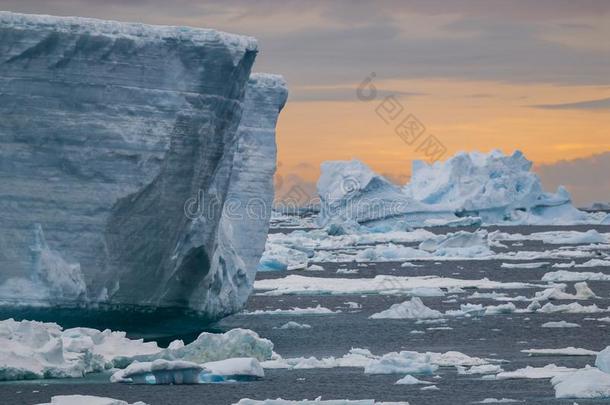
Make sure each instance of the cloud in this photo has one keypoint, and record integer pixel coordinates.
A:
(586, 178)
(339, 42)
(600, 104)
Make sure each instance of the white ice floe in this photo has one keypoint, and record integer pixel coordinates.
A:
(302, 285)
(534, 265)
(498, 401)
(529, 372)
(295, 325)
(404, 362)
(572, 308)
(410, 380)
(558, 292)
(603, 360)
(564, 276)
(560, 324)
(588, 382)
(163, 372)
(557, 237)
(566, 351)
(86, 399)
(317, 401)
(30, 349)
(317, 310)
(595, 263)
(413, 309)
(482, 369)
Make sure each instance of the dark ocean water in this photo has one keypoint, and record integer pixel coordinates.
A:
(499, 337)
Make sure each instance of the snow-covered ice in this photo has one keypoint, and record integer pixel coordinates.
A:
(86, 399)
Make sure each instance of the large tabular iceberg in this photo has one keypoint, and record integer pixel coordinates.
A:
(468, 188)
(137, 164)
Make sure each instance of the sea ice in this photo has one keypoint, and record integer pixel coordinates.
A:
(588, 382)
(560, 324)
(413, 309)
(529, 372)
(567, 351)
(86, 399)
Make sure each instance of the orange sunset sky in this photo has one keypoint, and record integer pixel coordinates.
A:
(480, 75)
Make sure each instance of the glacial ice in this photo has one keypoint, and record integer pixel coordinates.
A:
(121, 129)
(164, 372)
(35, 350)
(493, 188)
(588, 382)
(529, 372)
(603, 360)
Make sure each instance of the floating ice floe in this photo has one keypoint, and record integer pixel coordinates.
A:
(36, 350)
(560, 324)
(295, 325)
(535, 265)
(566, 351)
(163, 372)
(482, 369)
(572, 308)
(588, 382)
(564, 275)
(557, 237)
(317, 401)
(302, 285)
(558, 292)
(498, 401)
(529, 372)
(413, 309)
(86, 399)
(395, 362)
(317, 310)
(280, 258)
(410, 380)
(603, 360)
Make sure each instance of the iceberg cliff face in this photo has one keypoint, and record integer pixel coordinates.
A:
(492, 188)
(120, 146)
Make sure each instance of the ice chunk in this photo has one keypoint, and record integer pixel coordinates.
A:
(317, 401)
(589, 382)
(603, 360)
(560, 324)
(564, 275)
(295, 325)
(413, 309)
(567, 351)
(402, 363)
(86, 399)
(279, 258)
(529, 372)
(212, 347)
(160, 372)
(317, 310)
(410, 380)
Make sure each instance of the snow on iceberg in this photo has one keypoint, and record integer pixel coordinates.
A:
(492, 187)
(160, 132)
(603, 360)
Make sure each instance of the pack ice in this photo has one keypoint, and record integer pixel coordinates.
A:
(468, 188)
(137, 164)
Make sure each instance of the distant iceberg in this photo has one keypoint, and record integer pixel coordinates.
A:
(467, 189)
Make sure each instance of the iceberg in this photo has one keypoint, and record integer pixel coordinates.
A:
(488, 188)
(588, 382)
(165, 372)
(137, 165)
(413, 309)
(36, 350)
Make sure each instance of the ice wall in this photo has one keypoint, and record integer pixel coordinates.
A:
(120, 144)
